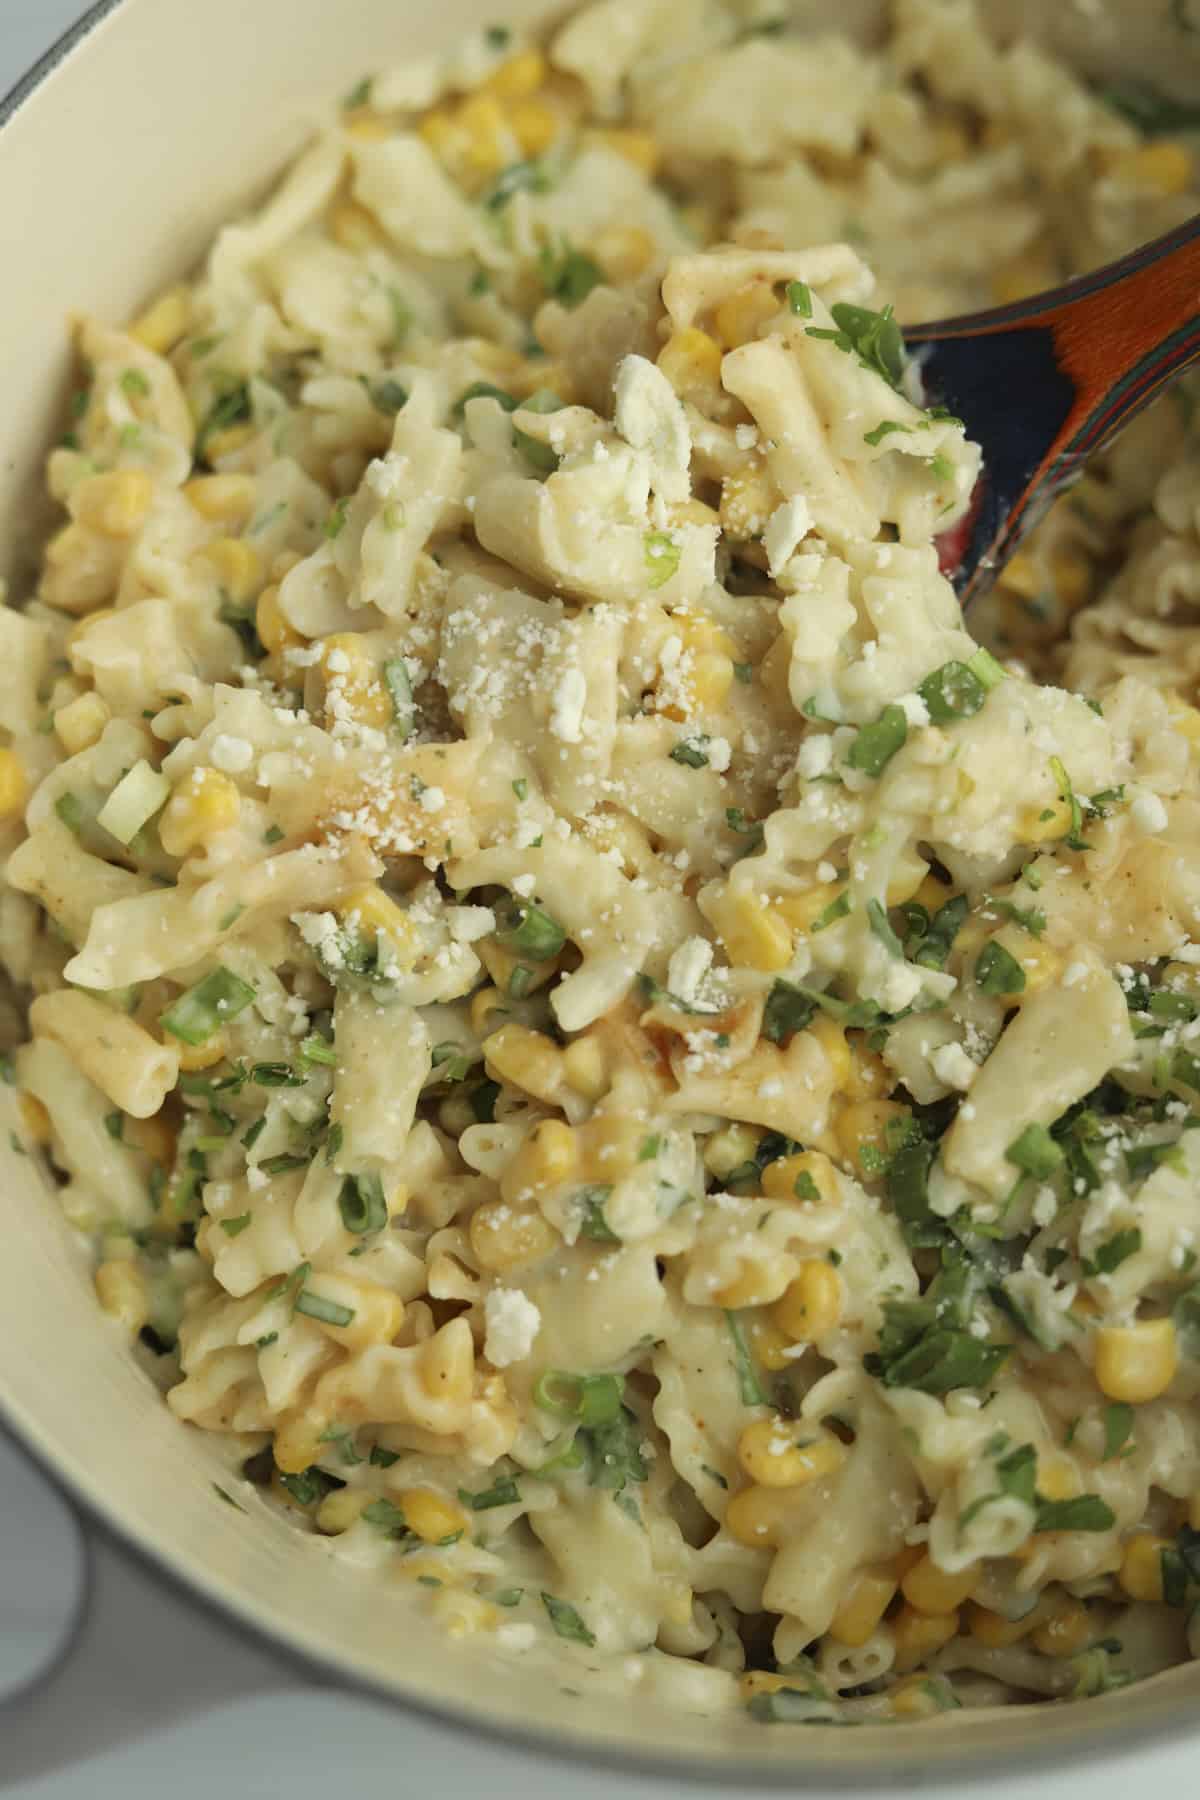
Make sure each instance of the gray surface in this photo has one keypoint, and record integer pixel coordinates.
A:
(313, 1745)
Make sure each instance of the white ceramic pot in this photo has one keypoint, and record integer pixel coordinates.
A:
(119, 157)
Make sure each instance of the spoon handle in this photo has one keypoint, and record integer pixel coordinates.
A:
(1048, 381)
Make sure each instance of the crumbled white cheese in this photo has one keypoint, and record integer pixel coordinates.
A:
(899, 988)
(1149, 814)
(1074, 973)
(688, 967)
(788, 525)
(566, 711)
(432, 799)
(814, 756)
(951, 1064)
(720, 754)
(914, 710)
(512, 1322)
(231, 754)
(1045, 1205)
(649, 415)
(826, 873)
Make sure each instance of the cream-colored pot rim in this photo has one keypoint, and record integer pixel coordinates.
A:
(120, 152)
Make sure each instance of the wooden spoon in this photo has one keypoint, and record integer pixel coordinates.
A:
(1045, 383)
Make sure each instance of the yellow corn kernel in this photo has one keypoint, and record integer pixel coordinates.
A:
(505, 1237)
(997, 1632)
(274, 631)
(484, 129)
(763, 1681)
(353, 227)
(934, 1590)
(437, 128)
(1057, 1478)
(35, 1120)
(1141, 1566)
(223, 499)
(709, 678)
(367, 126)
(838, 1054)
(727, 1149)
(378, 1315)
(1136, 1362)
(527, 1059)
(1029, 273)
(193, 1057)
(865, 1603)
(869, 1077)
(586, 1067)
(1165, 165)
(747, 502)
(780, 1453)
(432, 1516)
(354, 688)
(772, 1347)
(804, 909)
(534, 125)
(162, 325)
(121, 1291)
(739, 319)
(917, 1635)
(756, 1283)
(864, 1124)
(1040, 962)
(228, 442)
(370, 910)
(1072, 576)
(339, 1511)
(546, 1157)
(913, 1700)
(794, 1177)
(501, 964)
(637, 147)
(116, 503)
(759, 1516)
(1066, 1631)
(485, 1005)
(1041, 824)
(908, 875)
(79, 725)
(755, 934)
(238, 568)
(518, 77)
(691, 362)
(298, 1442)
(205, 803)
(1021, 574)
(14, 785)
(811, 1305)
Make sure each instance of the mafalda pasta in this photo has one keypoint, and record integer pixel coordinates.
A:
(636, 1073)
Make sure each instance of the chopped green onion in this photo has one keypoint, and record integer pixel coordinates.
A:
(662, 558)
(328, 1312)
(799, 299)
(275, 1074)
(1072, 839)
(135, 384)
(503, 1492)
(336, 522)
(362, 1205)
(1035, 1152)
(1118, 1424)
(114, 1124)
(749, 1386)
(234, 1227)
(837, 909)
(316, 1049)
(691, 752)
(1114, 1251)
(283, 1164)
(567, 1622)
(986, 670)
(200, 1012)
(590, 1399)
(233, 407)
(568, 275)
(69, 810)
(399, 687)
(595, 1226)
(1087, 1512)
(884, 429)
(532, 932)
(882, 928)
(951, 693)
(520, 981)
(876, 744)
(996, 972)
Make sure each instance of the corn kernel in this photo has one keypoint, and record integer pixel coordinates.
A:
(162, 325)
(913, 1700)
(121, 1291)
(228, 442)
(546, 1158)
(755, 934)
(832, 1039)
(586, 1067)
(298, 1442)
(1065, 1632)
(238, 568)
(80, 724)
(1057, 1478)
(378, 1315)
(432, 1516)
(223, 499)
(747, 501)
(637, 147)
(14, 785)
(1136, 1362)
(275, 632)
(1165, 165)
(622, 251)
(917, 1635)
(727, 1149)
(534, 125)
(756, 1283)
(772, 1347)
(371, 911)
(354, 687)
(116, 503)
(780, 1453)
(340, 1510)
(505, 1237)
(863, 1127)
(1141, 1566)
(997, 1632)
(518, 77)
(1041, 824)
(691, 362)
(485, 134)
(934, 1590)
(869, 1077)
(812, 1304)
(204, 803)
(367, 126)
(863, 1606)
(804, 909)
(758, 1517)
(437, 129)
(528, 1059)
(740, 318)
(35, 1120)
(794, 1178)
(193, 1057)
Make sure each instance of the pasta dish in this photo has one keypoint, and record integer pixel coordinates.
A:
(634, 1071)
